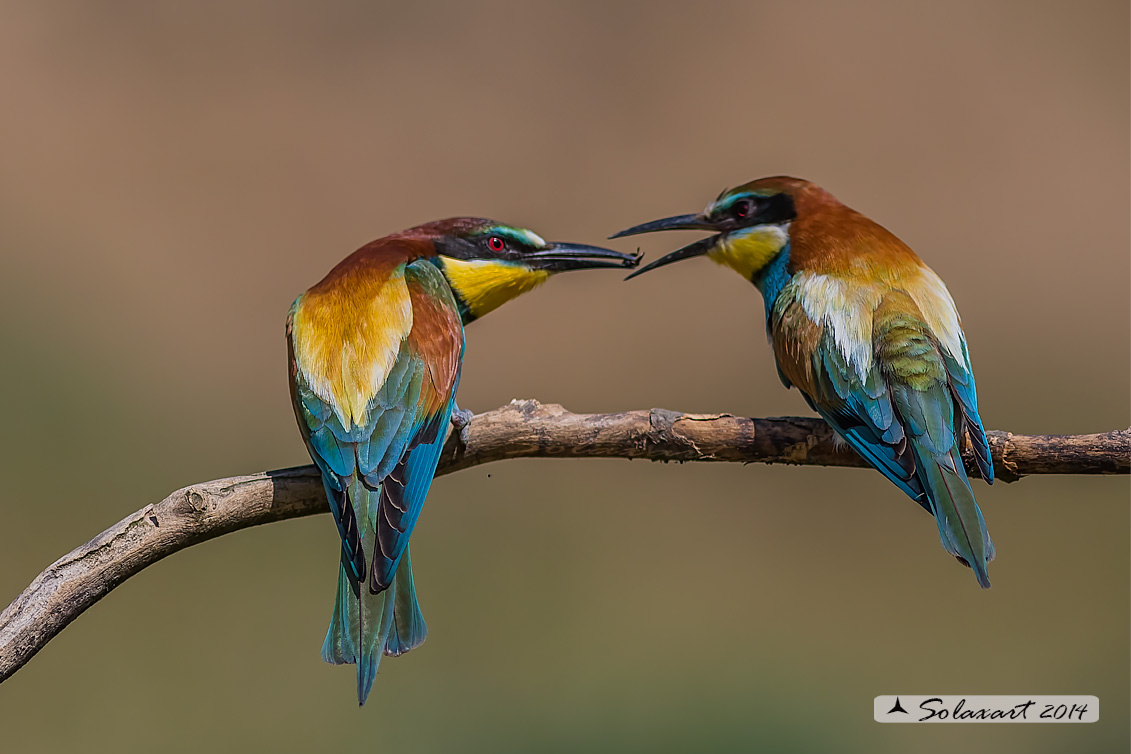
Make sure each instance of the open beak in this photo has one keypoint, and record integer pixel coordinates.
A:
(559, 257)
(697, 249)
(679, 222)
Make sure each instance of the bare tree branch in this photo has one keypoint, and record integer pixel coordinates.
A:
(522, 429)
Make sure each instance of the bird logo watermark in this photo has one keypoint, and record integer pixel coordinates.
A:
(955, 708)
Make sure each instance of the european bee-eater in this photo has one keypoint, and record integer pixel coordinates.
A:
(375, 350)
(868, 334)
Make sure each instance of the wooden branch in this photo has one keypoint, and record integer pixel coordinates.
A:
(522, 429)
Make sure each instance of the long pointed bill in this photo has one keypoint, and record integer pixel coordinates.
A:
(679, 222)
(559, 257)
(697, 249)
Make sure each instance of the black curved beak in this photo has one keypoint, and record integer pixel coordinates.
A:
(697, 249)
(679, 222)
(559, 257)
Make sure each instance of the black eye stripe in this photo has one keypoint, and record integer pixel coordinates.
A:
(776, 208)
(511, 246)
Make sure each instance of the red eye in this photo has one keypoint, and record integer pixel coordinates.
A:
(494, 243)
(743, 208)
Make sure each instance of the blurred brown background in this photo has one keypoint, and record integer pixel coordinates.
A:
(172, 175)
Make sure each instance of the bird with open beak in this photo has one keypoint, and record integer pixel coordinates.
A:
(866, 331)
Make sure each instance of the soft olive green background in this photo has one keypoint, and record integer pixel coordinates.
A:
(173, 174)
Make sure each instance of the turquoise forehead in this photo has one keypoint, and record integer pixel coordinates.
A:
(520, 236)
(727, 199)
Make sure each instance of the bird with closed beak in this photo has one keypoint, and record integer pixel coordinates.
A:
(866, 331)
(375, 352)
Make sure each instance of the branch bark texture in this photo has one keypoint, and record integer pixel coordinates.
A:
(521, 429)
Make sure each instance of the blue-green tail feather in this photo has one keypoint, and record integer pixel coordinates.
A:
(962, 529)
(358, 629)
(360, 623)
(340, 646)
(408, 630)
(362, 628)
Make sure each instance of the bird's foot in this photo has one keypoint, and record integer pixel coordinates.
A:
(461, 420)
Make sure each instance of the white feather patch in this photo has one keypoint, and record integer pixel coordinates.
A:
(937, 307)
(845, 308)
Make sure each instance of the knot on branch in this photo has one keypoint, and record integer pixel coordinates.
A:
(662, 442)
(197, 501)
(1005, 469)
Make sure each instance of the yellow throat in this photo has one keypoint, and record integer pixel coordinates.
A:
(748, 251)
(486, 284)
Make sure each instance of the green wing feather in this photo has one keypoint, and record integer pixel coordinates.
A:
(900, 415)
